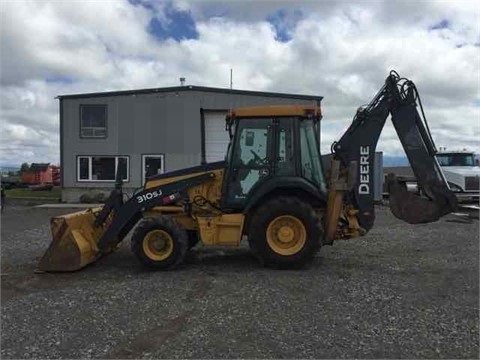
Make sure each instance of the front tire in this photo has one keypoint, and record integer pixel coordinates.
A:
(285, 232)
(159, 243)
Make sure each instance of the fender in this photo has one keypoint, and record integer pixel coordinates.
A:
(283, 184)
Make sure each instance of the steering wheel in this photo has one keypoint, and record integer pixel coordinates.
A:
(257, 159)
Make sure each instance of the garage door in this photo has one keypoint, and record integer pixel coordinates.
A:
(216, 138)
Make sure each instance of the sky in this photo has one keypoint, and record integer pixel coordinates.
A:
(341, 50)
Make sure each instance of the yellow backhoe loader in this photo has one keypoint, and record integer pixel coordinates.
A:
(272, 190)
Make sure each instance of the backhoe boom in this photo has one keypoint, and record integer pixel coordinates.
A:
(398, 98)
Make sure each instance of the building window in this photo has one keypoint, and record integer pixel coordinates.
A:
(93, 121)
(152, 165)
(101, 168)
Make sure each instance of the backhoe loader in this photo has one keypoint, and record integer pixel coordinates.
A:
(271, 190)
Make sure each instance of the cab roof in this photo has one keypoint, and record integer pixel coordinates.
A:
(276, 111)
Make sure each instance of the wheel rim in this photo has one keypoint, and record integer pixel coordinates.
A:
(286, 235)
(158, 245)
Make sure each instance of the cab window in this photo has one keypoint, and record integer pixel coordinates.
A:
(309, 154)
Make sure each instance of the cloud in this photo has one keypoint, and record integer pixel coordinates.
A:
(342, 50)
(79, 40)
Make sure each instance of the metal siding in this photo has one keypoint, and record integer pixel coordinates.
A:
(127, 132)
(226, 101)
(173, 128)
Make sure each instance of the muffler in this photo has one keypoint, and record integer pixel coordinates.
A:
(416, 209)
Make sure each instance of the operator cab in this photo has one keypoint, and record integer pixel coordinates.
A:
(271, 143)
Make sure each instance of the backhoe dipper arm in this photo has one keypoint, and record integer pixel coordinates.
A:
(398, 98)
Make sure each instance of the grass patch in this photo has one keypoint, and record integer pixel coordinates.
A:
(55, 193)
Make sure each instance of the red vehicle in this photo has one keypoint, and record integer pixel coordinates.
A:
(42, 174)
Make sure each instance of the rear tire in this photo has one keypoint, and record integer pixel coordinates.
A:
(159, 243)
(285, 232)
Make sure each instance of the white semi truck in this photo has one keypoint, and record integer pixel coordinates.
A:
(462, 171)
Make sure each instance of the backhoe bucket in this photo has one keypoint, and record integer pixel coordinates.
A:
(415, 209)
(74, 242)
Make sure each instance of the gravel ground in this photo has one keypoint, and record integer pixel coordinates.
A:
(403, 291)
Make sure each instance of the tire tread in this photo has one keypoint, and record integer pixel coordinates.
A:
(286, 205)
(175, 230)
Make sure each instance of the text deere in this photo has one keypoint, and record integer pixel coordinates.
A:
(364, 186)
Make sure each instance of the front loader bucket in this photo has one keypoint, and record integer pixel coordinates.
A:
(413, 208)
(74, 242)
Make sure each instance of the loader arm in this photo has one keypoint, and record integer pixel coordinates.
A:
(125, 217)
(83, 237)
(398, 98)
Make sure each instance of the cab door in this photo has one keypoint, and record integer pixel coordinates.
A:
(250, 160)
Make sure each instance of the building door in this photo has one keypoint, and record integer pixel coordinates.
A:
(216, 137)
(152, 165)
(251, 160)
